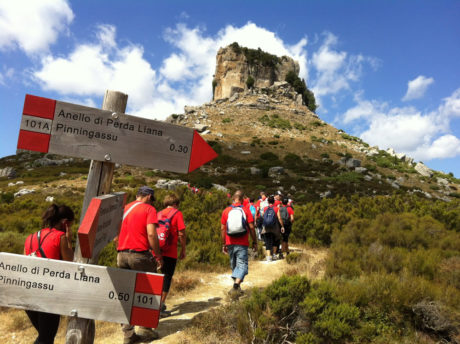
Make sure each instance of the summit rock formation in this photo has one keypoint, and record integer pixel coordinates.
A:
(235, 65)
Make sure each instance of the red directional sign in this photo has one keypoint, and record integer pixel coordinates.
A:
(101, 223)
(52, 126)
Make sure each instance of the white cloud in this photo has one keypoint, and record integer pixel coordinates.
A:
(416, 88)
(423, 136)
(32, 25)
(335, 70)
(184, 77)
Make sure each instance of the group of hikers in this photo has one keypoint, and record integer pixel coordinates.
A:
(148, 241)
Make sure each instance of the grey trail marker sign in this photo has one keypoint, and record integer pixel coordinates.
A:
(52, 126)
(84, 290)
(106, 136)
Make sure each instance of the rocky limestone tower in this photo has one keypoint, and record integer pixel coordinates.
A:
(235, 64)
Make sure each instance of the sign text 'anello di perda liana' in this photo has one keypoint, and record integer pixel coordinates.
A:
(52, 126)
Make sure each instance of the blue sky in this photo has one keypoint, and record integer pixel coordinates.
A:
(386, 71)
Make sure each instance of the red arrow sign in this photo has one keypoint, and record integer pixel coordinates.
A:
(52, 126)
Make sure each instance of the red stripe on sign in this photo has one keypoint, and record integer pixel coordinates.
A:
(88, 228)
(149, 284)
(145, 317)
(201, 152)
(39, 107)
(33, 141)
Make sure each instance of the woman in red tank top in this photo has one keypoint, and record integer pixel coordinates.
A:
(55, 243)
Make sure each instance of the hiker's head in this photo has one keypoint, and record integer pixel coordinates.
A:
(56, 215)
(271, 200)
(171, 200)
(285, 201)
(263, 195)
(238, 196)
(145, 194)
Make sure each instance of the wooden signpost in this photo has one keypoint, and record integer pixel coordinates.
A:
(83, 290)
(51, 126)
(101, 223)
(106, 136)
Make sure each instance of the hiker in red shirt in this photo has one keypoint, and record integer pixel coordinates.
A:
(176, 234)
(138, 235)
(236, 221)
(271, 229)
(53, 242)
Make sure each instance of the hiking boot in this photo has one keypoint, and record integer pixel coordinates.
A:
(269, 258)
(163, 312)
(280, 256)
(235, 293)
(149, 333)
(274, 257)
(131, 340)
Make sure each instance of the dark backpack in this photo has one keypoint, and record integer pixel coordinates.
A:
(164, 230)
(269, 218)
(285, 216)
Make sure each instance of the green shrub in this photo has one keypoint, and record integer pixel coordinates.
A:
(250, 81)
(293, 258)
(269, 156)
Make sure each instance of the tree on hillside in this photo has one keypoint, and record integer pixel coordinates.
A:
(300, 87)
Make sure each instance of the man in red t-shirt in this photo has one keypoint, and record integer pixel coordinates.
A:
(236, 246)
(138, 235)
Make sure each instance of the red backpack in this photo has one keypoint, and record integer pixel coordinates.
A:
(164, 229)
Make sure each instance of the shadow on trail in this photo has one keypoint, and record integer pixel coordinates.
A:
(195, 306)
(173, 324)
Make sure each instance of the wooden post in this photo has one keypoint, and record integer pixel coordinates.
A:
(82, 331)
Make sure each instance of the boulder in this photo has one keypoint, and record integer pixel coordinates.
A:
(8, 172)
(23, 192)
(49, 199)
(423, 170)
(231, 170)
(360, 169)
(442, 181)
(255, 171)
(170, 184)
(325, 194)
(200, 127)
(353, 163)
(275, 171)
(391, 151)
(220, 188)
(245, 152)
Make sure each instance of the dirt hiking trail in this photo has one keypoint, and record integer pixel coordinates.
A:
(211, 291)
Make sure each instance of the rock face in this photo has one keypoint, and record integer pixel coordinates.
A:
(233, 69)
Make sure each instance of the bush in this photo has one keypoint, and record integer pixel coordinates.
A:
(250, 82)
(269, 156)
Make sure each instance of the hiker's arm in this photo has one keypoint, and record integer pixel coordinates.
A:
(153, 242)
(223, 231)
(292, 218)
(281, 221)
(182, 240)
(66, 249)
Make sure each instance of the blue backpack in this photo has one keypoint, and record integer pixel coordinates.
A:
(252, 209)
(269, 218)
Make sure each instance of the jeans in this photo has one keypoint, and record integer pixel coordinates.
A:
(238, 260)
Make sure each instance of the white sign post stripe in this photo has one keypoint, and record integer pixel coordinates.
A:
(149, 301)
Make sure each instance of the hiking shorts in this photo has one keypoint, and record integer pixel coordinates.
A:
(169, 265)
(287, 232)
(238, 260)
